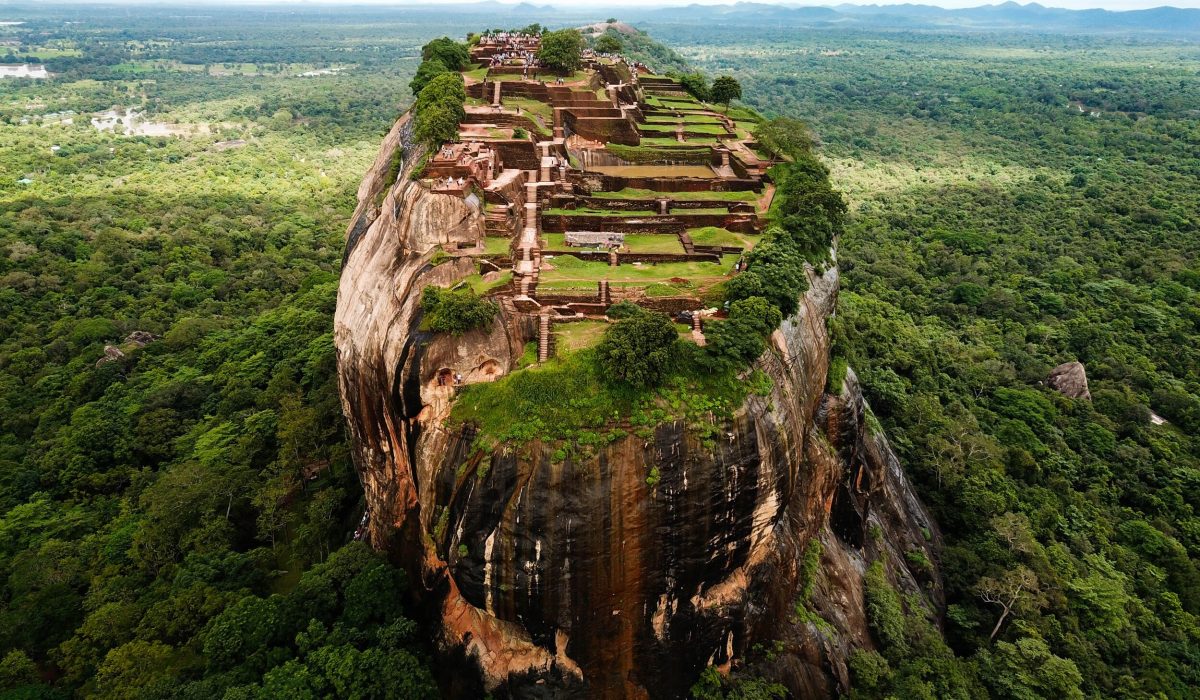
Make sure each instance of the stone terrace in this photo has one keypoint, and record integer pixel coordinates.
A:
(605, 185)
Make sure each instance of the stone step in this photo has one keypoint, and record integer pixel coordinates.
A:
(543, 338)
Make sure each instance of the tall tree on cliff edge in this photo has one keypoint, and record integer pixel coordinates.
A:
(726, 89)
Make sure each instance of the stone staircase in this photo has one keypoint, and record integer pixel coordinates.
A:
(688, 246)
(545, 338)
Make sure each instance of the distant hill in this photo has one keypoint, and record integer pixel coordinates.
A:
(1006, 16)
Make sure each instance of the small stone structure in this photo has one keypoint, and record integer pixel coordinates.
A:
(588, 238)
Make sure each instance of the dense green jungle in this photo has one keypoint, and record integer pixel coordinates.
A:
(177, 512)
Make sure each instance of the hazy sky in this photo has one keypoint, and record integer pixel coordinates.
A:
(599, 4)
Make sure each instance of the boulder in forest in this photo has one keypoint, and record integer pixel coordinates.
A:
(1070, 379)
(140, 338)
(111, 354)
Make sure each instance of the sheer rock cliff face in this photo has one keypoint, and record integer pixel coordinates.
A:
(578, 578)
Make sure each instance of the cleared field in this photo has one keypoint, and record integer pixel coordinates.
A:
(554, 211)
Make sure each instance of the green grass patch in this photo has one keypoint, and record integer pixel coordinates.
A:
(568, 268)
(540, 109)
(658, 127)
(653, 243)
(650, 154)
(477, 72)
(481, 287)
(496, 245)
(636, 193)
(587, 211)
(713, 235)
(577, 335)
(568, 399)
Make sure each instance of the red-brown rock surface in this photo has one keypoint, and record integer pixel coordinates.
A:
(577, 578)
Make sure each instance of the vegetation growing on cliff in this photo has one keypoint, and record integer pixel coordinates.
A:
(994, 231)
(438, 109)
(456, 311)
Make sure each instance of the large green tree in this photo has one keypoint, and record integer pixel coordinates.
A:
(725, 89)
(451, 54)
(639, 350)
(560, 50)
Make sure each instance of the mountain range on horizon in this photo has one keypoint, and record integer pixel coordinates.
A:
(1007, 16)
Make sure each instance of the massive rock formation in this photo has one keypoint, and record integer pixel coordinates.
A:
(1070, 379)
(581, 577)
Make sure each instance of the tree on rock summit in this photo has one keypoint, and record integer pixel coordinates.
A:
(560, 50)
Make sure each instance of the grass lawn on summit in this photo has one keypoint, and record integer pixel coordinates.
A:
(654, 243)
(577, 335)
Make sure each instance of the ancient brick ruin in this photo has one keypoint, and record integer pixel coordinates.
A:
(609, 184)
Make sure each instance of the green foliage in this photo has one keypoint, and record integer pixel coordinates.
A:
(1026, 670)
(885, 612)
(739, 340)
(639, 350)
(451, 54)
(725, 89)
(142, 498)
(696, 85)
(560, 50)
(608, 42)
(712, 686)
(784, 137)
(456, 312)
(439, 109)
(774, 271)
(837, 374)
(624, 309)
(427, 71)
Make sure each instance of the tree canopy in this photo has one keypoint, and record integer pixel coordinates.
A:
(451, 54)
(439, 109)
(639, 349)
(560, 50)
(725, 89)
(608, 43)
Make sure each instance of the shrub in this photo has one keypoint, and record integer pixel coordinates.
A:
(696, 85)
(639, 350)
(608, 43)
(624, 309)
(738, 341)
(455, 311)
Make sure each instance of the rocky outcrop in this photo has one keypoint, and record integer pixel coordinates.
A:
(874, 515)
(1070, 379)
(581, 577)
